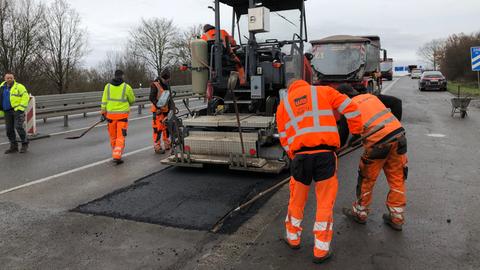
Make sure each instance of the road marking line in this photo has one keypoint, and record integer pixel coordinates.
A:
(46, 179)
(388, 88)
(436, 135)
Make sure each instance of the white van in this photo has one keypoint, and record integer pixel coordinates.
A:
(416, 73)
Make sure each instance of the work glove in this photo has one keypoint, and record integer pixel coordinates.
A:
(103, 117)
(354, 141)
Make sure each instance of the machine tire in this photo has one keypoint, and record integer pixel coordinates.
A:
(463, 114)
(212, 105)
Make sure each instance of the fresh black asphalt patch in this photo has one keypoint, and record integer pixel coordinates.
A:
(185, 198)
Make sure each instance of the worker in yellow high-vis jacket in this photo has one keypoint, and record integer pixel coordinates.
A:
(117, 98)
(14, 100)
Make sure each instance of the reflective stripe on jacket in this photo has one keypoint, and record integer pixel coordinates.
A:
(117, 99)
(305, 116)
(374, 113)
(19, 97)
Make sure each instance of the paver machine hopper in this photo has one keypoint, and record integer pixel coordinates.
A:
(238, 127)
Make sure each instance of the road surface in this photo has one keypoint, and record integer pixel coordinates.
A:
(38, 230)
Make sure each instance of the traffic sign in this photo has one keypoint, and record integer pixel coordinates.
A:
(475, 52)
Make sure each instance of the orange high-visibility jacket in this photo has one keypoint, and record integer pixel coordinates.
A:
(210, 35)
(305, 117)
(374, 113)
(160, 92)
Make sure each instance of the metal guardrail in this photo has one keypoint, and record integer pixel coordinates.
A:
(49, 106)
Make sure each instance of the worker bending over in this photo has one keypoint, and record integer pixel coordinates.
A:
(228, 43)
(116, 101)
(309, 134)
(385, 150)
(160, 114)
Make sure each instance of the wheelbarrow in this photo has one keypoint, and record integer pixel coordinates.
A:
(460, 105)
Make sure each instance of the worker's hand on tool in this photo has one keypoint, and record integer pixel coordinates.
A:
(354, 141)
(103, 117)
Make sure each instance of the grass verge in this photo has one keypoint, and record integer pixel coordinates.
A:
(465, 90)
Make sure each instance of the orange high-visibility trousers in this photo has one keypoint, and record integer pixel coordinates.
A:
(323, 167)
(117, 129)
(160, 132)
(393, 160)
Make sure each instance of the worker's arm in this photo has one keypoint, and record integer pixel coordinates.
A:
(281, 117)
(130, 95)
(344, 105)
(25, 97)
(393, 103)
(103, 106)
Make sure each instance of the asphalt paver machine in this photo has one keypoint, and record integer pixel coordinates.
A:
(238, 127)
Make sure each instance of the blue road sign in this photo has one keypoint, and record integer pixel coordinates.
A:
(475, 51)
(398, 69)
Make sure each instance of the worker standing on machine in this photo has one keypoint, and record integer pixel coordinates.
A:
(160, 111)
(229, 43)
(309, 134)
(117, 98)
(385, 150)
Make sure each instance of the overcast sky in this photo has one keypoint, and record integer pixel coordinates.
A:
(403, 25)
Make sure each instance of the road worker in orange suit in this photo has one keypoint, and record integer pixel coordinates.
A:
(160, 114)
(229, 43)
(117, 98)
(387, 150)
(309, 134)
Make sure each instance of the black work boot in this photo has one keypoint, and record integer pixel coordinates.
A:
(348, 212)
(24, 148)
(13, 149)
(388, 220)
(117, 161)
(317, 260)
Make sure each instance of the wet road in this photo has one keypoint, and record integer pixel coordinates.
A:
(38, 230)
(443, 221)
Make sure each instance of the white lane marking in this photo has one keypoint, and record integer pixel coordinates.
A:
(436, 135)
(388, 88)
(46, 179)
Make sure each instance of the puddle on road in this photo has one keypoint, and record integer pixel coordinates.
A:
(184, 198)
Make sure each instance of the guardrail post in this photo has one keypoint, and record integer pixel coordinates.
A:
(139, 109)
(65, 120)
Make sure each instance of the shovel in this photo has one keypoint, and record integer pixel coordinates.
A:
(85, 132)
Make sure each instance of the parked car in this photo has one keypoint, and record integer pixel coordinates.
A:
(416, 73)
(432, 80)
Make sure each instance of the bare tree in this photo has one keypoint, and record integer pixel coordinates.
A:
(153, 41)
(432, 52)
(136, 70)
(21, 26)
(182, 44)
(64, 44)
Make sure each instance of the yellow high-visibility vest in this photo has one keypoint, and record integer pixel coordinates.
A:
(117, 99)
